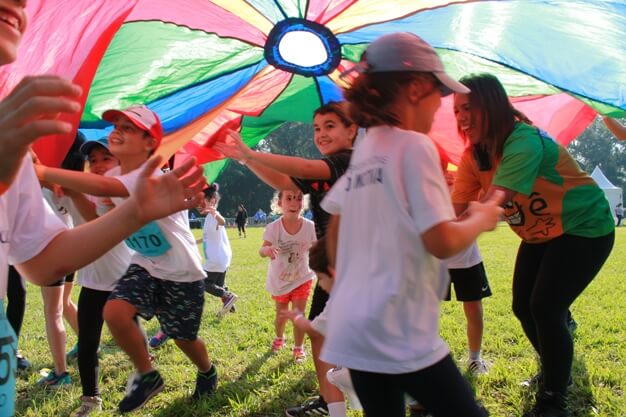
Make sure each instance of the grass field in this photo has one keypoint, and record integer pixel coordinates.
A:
(255, 383)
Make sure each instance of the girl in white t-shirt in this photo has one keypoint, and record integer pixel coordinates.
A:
(286, 242)
(392, 219)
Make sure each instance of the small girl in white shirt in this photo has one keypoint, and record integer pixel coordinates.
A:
(286, 242)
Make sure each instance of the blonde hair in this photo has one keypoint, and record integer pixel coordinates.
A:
(275, 207)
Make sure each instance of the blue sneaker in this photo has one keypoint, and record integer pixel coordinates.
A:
(22, 362)
(72, 355)
(54, 381)
(158, 340)
(205, 383)
(141, 390)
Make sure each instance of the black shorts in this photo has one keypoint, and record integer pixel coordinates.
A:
(67, 278)
(320, 298)
(177, 305)
(470, 284)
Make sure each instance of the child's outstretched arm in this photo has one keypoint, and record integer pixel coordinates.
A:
(291, 166)
(449, 238)
(85, 207)
(154, 198)
(84, 182)
(299, 321)
(615, 127)
(30, 111)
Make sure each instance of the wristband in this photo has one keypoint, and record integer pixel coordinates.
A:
(298, 316)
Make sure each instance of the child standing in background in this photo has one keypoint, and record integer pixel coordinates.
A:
(286, 242)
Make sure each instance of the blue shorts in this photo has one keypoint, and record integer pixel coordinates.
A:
(177, 305)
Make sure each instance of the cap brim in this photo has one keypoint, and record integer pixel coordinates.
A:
(451, 85)
(87, 147)
(111, 115)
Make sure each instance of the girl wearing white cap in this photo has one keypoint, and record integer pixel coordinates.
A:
(395, 219)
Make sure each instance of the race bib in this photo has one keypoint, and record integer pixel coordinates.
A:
(8, 365)
(148, 241)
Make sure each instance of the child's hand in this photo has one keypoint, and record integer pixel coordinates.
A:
(234, 147)
(269, 251)
(158, 197)
(289, 314)
(30, 111)
(489, 211)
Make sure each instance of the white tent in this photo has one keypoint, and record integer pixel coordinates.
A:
(613, 193)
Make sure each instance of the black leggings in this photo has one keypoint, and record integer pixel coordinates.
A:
(548, 277)
(241, 228)
(214, 283)
(90, 321)
(16, 300)
(440, 388)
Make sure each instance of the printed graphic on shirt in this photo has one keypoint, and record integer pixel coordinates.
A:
(365, 174)
(290, 255)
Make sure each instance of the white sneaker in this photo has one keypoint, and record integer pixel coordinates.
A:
(340, 377)
(88, 405)
(477, 367)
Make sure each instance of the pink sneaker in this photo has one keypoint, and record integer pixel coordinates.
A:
(299, 355)
(278, 344)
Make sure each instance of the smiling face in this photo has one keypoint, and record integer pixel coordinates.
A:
(331, 135)
(468, 118)
(290, 203)
(12, 26)
(101, 160)
(128, 139)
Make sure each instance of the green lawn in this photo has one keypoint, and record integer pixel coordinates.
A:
(255, 383)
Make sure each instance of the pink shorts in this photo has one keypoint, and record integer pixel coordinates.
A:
(300, 293)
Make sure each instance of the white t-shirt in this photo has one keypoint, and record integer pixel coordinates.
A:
(290, 269)
(383, 313)
(177, 257)
(60, 206)
(464, 259)
(217, 251)
(27, 223)
(103, 273)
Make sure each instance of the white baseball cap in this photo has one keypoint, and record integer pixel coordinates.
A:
(403, 51)
(142, 117)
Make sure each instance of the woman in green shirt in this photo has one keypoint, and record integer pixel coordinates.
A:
(560, 213)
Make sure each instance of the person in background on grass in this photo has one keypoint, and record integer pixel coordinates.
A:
(286, 242)
(241, 218)
(333, 134)
(57, 301)
(392, 208)
(218, 255)
(615, 127)
(561, 215)
(97, 279)
(32, 238)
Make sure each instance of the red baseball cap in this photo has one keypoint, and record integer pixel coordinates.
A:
(142, 117)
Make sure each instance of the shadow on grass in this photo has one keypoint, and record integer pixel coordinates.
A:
(235, 392)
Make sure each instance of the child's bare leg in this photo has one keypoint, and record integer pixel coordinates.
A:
(70, 313)
(474, 315)
(55, 329)
(196, 351)
(298, 335)
(280, 323)
(119, 316)
(330, 392)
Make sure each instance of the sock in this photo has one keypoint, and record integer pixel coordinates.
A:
(337, 409)
(208, 374)
(301, 347)
(474, 356)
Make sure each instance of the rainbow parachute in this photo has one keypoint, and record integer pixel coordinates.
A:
(258, 63)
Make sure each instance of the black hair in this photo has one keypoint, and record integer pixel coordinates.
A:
(212, 191)
(318, 259)
(74, 160)
(498, 114)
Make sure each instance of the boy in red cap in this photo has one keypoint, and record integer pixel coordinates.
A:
(165, 277)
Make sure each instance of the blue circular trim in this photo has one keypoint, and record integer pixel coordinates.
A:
(329, 40)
